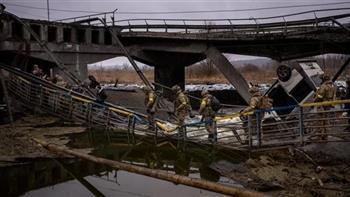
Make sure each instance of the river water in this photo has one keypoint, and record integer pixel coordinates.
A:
(74, 177)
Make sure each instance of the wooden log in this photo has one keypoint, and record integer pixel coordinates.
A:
(159, 174)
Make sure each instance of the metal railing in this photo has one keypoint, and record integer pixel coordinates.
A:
(288, 23)
(308, 123)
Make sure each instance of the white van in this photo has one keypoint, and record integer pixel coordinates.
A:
(296, 84)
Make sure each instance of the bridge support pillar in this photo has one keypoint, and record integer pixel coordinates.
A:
(170, 76)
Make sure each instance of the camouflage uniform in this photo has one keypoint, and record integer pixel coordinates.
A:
(208, 114)
(326, 92)
(254, 104)
(182, 106)
(60, 81)
(150, 103)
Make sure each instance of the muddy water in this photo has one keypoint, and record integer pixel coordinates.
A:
(71, 177)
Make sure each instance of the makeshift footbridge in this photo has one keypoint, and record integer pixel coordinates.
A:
(308, 123)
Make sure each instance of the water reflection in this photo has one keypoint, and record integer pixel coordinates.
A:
(72, 174)
(183, 159)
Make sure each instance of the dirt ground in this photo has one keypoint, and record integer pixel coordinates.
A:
(316, 170)
(15, 140)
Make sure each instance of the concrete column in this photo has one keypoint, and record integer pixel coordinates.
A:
(101, 36)
(170, 76)
(26, 34)
(59, 34)
(88, 36)
(7, 29)
(44, 32)
(114, 31)
(74, 35)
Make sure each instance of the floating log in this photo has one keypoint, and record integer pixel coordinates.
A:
(159, 174)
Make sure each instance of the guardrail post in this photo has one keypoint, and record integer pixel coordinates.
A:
(316, 20)
(215, 131)
(185, 26)
(133, 129)
(231, 25)
(184, 133)
(166, 26)
(89, 108)
(156, 134)
(250, 137)
(108, 119)
(146, 25)
(71, 106)
(129, 127)
(301, 125)
(258, 126)
(55, 98)
(41, 95)
(285, 26)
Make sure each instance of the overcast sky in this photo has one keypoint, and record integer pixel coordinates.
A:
(21, 8)
(162, 6)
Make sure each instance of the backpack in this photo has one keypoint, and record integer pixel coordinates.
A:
(215, 104)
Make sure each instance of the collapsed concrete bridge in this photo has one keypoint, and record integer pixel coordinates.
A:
(170, 44)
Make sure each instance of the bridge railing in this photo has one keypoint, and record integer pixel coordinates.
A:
(308, 123)
(282, 23)
(108, 17)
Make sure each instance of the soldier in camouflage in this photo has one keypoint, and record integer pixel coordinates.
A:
(326, 92)
(254, 100)
(151, 104)
(182, 107)
(208, 115)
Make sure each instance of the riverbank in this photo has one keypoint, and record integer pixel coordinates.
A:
(16, 143)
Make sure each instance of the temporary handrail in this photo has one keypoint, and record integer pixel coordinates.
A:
(70, 75)
(231, 133)
(51, 85)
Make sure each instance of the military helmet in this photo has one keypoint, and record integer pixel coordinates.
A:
(326, 77)
(204, 92)
(253, 90)
(176, 88)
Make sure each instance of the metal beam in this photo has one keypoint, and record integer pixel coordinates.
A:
(341, 69)
(230, 72)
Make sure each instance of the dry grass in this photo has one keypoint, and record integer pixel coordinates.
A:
(129, 76)
(206, 72)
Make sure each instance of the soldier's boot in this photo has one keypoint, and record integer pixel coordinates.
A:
(212, 137)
